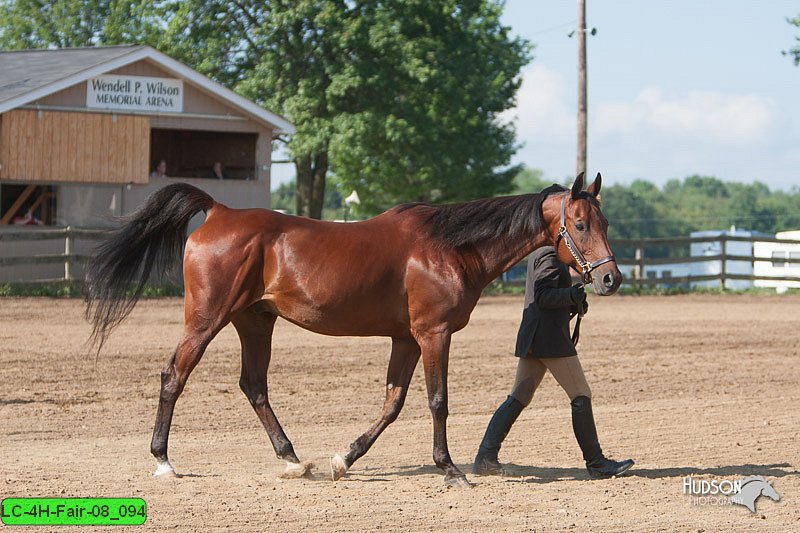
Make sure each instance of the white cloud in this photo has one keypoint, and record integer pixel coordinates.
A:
(706, 117)
(654, 135)
(545, 119)
(542, 112)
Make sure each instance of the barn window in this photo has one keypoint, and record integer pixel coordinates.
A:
(192, 154)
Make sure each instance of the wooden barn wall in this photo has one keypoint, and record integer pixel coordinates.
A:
(74, 147)
(74, 96)
(264, 155)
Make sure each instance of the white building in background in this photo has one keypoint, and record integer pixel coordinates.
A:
(778, 252)
(669, 270)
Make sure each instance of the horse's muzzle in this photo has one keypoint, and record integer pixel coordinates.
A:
(606, 279)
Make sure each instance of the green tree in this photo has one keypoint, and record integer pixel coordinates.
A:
(422, 102)
(632, 213)
(73, 23)
(399, 98)
(283, 198)
(529, 180)
(795, 51)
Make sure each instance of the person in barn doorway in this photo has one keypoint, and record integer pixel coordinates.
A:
(217, 171)
(544, 343)
(159, 169)
(28, 219)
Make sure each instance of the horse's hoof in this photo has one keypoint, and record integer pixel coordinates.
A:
(297, 470)
(457, 481)
(164, 470)
(338, 467)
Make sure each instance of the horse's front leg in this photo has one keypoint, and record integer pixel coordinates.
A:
(435, 346)
(405, 354)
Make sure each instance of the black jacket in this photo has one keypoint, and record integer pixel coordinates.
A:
(544, 330)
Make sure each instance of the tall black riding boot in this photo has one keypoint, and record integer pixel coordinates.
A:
(586, 434)
(486, 463)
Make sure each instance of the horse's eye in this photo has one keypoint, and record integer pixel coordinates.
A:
(579, 226)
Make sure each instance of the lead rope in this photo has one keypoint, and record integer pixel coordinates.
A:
(576, 333)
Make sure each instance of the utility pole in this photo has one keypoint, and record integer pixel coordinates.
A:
(582, 107)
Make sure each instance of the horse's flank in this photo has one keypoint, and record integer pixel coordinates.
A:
(355, 279)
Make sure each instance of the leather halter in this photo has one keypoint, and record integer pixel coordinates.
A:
(586, 266)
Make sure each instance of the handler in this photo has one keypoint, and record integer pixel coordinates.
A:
(544, 343)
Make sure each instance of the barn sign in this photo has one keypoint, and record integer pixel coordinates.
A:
(135, 93)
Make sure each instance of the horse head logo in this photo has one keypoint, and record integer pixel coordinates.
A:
(752, 488)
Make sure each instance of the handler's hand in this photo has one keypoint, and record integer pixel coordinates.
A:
(577, 294)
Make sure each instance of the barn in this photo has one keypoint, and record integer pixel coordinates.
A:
(87, 133)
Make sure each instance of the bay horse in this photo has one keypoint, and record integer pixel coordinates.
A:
(413, 273)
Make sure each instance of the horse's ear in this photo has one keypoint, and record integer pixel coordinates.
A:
(594, 188)
(577, 187)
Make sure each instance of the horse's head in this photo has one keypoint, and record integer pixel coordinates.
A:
(580, 234)
(769, 491)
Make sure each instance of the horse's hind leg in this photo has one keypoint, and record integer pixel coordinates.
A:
(255, 328)
(173, 379)
(405, 354)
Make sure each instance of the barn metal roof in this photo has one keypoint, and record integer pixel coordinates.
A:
(28, 75)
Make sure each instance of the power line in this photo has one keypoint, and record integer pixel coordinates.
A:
(553, 28)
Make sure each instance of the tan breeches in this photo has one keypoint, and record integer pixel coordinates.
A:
(567, 371)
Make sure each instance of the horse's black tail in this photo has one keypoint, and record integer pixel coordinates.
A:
(151, 237)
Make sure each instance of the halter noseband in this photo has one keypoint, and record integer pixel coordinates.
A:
(586, 266)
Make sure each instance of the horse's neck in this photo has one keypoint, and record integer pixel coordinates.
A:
(500, 256)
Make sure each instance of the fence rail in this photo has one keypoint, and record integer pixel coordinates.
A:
(69, 235)
(639, 262)
(660, 241)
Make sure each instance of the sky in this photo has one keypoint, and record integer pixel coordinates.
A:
(675, 88)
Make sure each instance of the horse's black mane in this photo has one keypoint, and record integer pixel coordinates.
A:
(469, 223)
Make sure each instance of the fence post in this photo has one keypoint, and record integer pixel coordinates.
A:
(68, 254)
(638, 268)
(723, 261)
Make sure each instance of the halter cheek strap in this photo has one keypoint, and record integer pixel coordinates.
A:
(586, 266)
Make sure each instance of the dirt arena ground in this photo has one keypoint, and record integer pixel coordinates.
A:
(686, 385)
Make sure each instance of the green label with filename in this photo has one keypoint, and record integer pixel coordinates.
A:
(73, 511)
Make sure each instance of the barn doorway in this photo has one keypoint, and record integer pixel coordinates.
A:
(27, 205)
(192, 154)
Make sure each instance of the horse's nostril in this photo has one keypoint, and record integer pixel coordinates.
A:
(608, 280)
